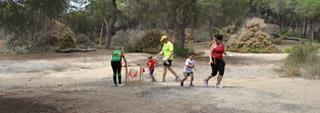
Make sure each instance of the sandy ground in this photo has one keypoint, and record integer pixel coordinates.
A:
(82, 83)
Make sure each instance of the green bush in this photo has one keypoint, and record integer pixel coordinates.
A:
(303, 61)
(67, 41)
(288, 50)
(283, 31)
(182, 52)
(288, 33)
(292, 34)
(317, 37)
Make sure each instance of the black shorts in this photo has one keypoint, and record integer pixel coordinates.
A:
(186, 74)
(219, 66)
(168, 64)
(151, 71)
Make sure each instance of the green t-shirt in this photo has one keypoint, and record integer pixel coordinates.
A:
(168, 50)
(117, 55)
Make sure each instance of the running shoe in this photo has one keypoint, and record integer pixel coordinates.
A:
(219, 86)
(205, 83)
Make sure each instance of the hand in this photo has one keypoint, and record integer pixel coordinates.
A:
(164, 59)
(209, 63)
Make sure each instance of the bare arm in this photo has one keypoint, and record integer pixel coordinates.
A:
(161, 52)
(211, 49)
(125, 60)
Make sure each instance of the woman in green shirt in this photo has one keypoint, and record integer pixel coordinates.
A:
(116, 64)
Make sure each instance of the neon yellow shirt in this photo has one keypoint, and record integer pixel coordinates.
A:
(167, 50)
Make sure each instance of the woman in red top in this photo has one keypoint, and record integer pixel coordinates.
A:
(151, 64)
(216, 60)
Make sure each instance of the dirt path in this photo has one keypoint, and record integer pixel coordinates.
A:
(81, 83)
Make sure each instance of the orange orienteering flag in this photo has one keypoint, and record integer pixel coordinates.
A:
(133, 73)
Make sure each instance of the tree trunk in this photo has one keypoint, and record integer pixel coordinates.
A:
(311, 30)
(181, 36)
(103, 37)
(301, 28)
(292, 24)
(297, 26)
(182, 22)
(5, 33)
(101, 34)
(110, 27)
(305, 27)
(280, 22)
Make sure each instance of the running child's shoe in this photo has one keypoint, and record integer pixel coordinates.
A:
(205, 83)
(219, 86)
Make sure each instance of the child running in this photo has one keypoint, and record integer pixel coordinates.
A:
(189, 69)
(151, 65)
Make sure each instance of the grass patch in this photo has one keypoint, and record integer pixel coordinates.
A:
(303, 61)
(288, 49)
(288, 33)
(182, 52)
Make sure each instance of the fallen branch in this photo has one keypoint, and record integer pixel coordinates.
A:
(70, 50)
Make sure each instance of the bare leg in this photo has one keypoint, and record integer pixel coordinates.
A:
(173, 72)
(209, 77)
(164, 73)
(205, 81)
(181, 83)
(191, 81)
(219, 78)
(153, 79)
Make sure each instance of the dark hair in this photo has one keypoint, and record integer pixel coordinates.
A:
(150, 57)
(121, 49)
(219, 37)
(191, 54)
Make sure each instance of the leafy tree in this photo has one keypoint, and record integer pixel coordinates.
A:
(107, 13)
(23, 19)
(309, 9)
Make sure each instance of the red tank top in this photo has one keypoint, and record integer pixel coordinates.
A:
(218, 51)
(151, 63)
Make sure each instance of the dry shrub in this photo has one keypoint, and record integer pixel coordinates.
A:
(201, 35)
(277, 41)
(3, 48)
(96, 38)
(2, 44)
(272, 28)
(190, 36)
(303, 61)
(252, 39)
(228, 31)
(83, 40)
(149, 43)
(57, 34)
(127, 37)
(120, 39)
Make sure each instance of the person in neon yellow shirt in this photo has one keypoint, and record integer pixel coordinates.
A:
(167, 51)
